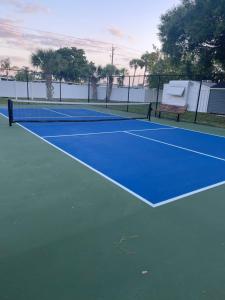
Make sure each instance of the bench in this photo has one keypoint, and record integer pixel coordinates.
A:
(172, 109)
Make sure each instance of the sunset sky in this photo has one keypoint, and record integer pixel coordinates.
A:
(131, 26)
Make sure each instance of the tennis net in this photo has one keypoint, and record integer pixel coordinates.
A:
(49, 111)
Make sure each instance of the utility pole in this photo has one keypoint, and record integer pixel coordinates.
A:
(112, 54)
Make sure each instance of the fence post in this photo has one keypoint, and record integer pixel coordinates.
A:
(89, 81)
(144, 80)
(27, 78)
(15, 88)
(197, 106)
(128, 94)
(60, 89)
(107, 83)
(157, 98)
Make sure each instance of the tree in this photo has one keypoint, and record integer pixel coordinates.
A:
(149, 60)
(109, 71)
(158, 63)
(122, 73)
(72, 64)
(46, 60)
(69, 64)
(145, 63)
(135, 63)
(95, 74)
(24, 74)
(193, 35)
(5, 66)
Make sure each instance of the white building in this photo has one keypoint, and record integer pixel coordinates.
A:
(184, 92)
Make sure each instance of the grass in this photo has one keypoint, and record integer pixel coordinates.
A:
(202, 118)
(3, 101)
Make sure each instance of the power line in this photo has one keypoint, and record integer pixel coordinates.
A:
(88, 46)
(86, 40)
(27, 37)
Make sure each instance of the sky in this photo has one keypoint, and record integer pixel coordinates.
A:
(131, 26)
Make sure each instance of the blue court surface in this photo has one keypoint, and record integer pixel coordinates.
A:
(156, 163)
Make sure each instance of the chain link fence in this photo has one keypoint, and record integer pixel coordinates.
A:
(203, 97)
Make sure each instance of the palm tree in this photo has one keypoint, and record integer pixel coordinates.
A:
(5, 66)
(135, 63)
(46, 60)
(146, 59)
(150, 59)
(24, 74)
(122, 73)
(95, 74)
(109, 71)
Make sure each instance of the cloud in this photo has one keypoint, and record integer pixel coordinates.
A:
(116, 32)
(15, 59)
(34, 8)
(15, 39)
(12, 34)
(130, 38)
(24, 7)
(8, 30)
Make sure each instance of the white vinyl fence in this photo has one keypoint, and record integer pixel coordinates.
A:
(37, 90)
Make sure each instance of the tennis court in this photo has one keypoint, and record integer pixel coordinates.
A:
(75, 225)
(156, 163)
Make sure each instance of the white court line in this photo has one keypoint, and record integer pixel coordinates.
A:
(103, 115)
(190, 194)
(59, 113)
(91, 168)
(122, 186)
(186, 129)
(148, 202)
(175, 146)
(201, 132)
(82, 134)
(105, 132)
(49, 117)
(70, 116)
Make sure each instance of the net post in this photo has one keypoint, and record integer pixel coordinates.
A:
(149, 111)
(157, 98)
(197, 106)
(10, 111)
(128, 95)
(15, 87)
